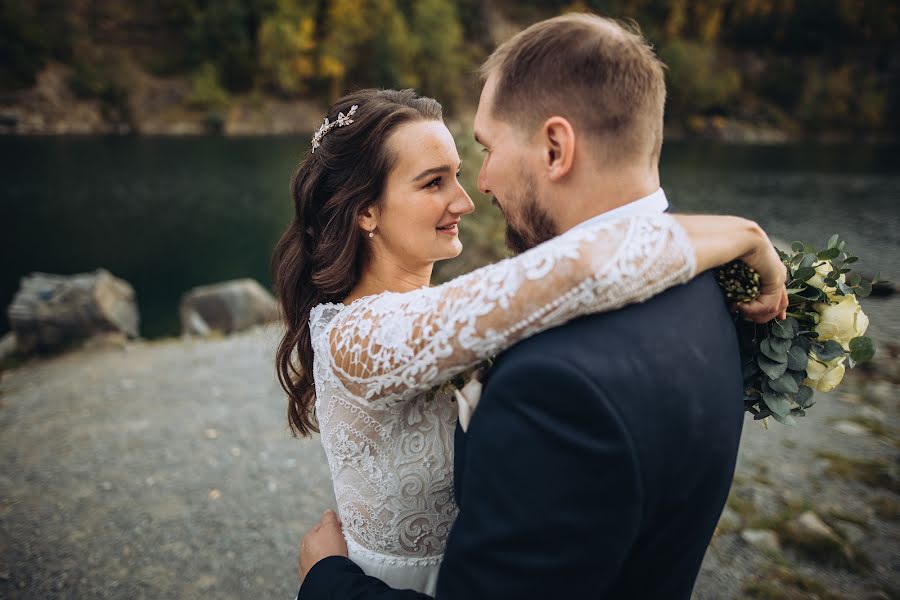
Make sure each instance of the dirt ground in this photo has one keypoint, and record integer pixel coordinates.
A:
(165, 470)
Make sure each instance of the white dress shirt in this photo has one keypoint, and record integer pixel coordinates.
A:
(654, 203)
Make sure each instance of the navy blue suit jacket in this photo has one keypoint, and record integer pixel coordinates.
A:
(597, 463)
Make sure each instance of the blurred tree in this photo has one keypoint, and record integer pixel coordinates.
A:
(440, 60)
(366, 43)
(206, 91)
(223, 32)
(31, 32)
(822, 63)
(698, 82)
(286, 44)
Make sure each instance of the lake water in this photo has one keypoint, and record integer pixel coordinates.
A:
(168, 214)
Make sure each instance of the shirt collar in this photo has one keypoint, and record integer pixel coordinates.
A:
(654, 203)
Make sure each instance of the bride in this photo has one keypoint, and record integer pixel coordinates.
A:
(377, 202)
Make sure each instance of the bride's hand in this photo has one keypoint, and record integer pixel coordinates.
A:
(772, 301)
(718, 240)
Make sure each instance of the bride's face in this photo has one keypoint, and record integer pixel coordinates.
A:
(417, 220)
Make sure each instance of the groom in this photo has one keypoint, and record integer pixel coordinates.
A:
(601, 453)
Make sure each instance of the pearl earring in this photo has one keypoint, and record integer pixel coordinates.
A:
(371, 234)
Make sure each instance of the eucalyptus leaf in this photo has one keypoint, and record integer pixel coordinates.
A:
(862, 349)
(780, 345)
(864, 289)
(762, 414)
(798, 412)
(797, 246)
(833, 241)
(851, 259)
(829, 254)
(779, 403)
(830, 350)
(804, 273)
(782, 329)
(854, 280)
(794, 324)
(767, 348)
(804, 396)
(785, 384)
(808, 260)
(797, 358)
(771, 368)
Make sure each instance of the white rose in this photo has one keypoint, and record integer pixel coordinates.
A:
(824, 377)
(841, 321)
(818, 280)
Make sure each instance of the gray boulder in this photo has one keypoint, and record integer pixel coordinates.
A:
(8, 346)
(226, 307)
(50, 312)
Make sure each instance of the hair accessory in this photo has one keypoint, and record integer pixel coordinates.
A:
(327, 126)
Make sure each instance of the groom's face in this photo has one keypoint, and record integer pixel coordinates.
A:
(507, 176)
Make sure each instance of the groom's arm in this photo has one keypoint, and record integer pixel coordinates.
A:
(338, 578)
(326, 572)
(551, 499)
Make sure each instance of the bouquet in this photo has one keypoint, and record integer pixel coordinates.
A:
(785, 362)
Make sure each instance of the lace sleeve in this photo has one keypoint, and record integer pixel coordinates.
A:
(392, 346)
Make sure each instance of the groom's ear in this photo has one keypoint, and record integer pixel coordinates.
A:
(559, 147)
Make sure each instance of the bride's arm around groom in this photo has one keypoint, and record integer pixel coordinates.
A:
(597, 463)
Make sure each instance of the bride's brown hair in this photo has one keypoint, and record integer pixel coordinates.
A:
(320, 256)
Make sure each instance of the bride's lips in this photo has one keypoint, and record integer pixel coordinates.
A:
(449, 228)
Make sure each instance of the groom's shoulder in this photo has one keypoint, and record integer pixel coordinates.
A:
(690, 315)
(697, 306)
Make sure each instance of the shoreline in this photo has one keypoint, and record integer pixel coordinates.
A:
(162, 107)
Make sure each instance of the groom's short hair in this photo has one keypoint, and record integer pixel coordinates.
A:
(601, 75)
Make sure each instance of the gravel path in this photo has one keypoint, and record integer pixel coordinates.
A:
(165, 470)
(162, 471)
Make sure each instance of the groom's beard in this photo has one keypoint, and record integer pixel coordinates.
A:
(537, 225)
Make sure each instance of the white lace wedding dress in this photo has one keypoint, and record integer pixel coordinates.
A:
(390, 450)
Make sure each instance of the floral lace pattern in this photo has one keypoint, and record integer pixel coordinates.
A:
(391, 452)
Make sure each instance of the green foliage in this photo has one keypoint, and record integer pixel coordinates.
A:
(206, 91)
(222, 33)
(286, 41)
(801, 65)
(105, 77)
(439, 61)
(28, 38)
(698, 81)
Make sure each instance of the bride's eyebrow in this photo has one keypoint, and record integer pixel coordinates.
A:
(433, 171)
